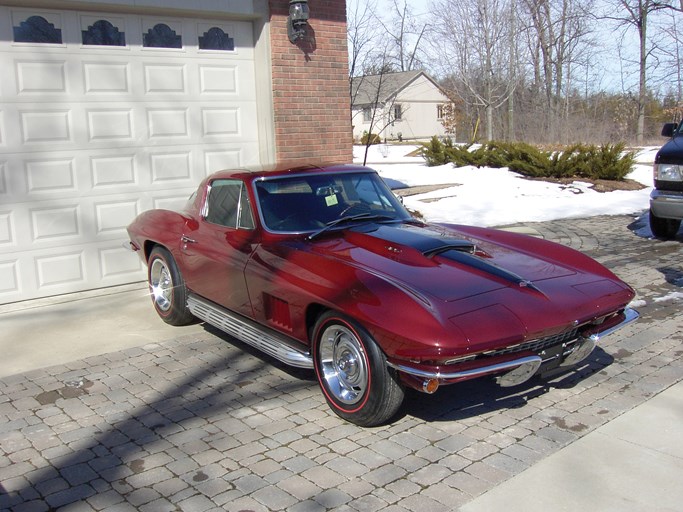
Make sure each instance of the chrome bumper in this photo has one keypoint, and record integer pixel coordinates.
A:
(530, 363)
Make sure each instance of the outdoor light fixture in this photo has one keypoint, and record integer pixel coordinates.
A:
(296, 22)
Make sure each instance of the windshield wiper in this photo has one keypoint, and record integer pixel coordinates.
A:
(350, 218)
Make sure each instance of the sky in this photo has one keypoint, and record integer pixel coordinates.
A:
(609, 73)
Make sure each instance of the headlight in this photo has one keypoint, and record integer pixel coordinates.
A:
(668, 172)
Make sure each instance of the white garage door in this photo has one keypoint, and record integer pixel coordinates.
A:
(103, 116)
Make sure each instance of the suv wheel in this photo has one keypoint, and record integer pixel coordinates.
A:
(664, 228)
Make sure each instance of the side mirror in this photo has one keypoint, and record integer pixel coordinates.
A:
(668, 129)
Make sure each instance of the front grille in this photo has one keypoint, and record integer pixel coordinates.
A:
(538, 345)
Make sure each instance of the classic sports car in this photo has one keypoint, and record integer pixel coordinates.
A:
(322, 267)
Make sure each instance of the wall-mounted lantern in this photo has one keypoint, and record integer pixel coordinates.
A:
(297, 20)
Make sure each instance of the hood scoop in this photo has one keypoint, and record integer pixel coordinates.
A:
(469, 259)
(462, 252)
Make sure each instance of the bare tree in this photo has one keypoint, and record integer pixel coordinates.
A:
(636, 15)
(560, 30)
(470, 41)
(405, 35)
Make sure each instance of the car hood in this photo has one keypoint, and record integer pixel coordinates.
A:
(450, 265)
(671, 152)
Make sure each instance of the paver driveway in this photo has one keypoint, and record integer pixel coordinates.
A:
(202, 423)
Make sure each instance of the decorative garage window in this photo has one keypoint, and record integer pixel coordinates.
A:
(161, 36)
(37, 29)
(216, 39)
(103, 33)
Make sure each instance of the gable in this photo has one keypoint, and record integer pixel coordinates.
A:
(422, 89)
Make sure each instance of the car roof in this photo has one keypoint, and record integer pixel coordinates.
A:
(284, 169)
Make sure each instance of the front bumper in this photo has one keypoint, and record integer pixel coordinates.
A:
(519, 367)
(667, 204)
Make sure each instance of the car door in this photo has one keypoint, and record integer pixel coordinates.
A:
(216, 247)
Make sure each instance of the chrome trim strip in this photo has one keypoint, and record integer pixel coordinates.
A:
(474, 372)
(269, 342)
(630, 316)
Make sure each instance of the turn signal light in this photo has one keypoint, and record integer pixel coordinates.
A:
(430, 386)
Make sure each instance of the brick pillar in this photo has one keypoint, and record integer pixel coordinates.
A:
(311, 85)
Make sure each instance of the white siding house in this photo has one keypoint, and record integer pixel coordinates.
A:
(397, 106)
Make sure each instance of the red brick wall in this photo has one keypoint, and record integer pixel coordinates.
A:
(311, 85)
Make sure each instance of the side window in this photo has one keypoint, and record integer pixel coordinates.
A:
(228, 205)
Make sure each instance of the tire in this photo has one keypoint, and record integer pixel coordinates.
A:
(167, 288)
(352, 372)
(664, 228)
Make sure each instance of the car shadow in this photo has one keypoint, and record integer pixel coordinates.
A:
(475, 397)
(298, 373)
(641, 228)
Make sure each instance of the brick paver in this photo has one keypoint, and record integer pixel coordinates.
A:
(200, 423)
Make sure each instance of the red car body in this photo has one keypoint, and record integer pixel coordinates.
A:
(378, 300)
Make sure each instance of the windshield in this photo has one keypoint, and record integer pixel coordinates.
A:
(308, 203)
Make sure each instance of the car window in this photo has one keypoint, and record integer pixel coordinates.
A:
(228, 205)
(307, 203)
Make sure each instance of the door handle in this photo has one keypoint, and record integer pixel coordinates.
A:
(187, 240)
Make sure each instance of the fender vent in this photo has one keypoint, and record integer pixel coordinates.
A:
(277, 311)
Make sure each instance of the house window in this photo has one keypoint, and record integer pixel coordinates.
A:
(161, 36)
(367, 114)
(398, 112)
(439, 111)
(216, 39)
(37, 29)
(103, 33)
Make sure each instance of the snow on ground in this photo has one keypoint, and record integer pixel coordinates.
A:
(495, 197)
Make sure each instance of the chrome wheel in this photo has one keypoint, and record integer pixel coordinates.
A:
(161, 285)
(344, 364)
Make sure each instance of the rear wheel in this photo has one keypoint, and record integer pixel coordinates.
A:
(167, 288)
(353, 373)
(664, 228)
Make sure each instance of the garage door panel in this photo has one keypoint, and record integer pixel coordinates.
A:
(53, 176)
(100, 78)
(112, 216)
(170, 202)
(57, 224)
(49, 126)
(163, 123)
(40, 77)
(9, 279)
(216, 79)
(171, 167)
(165, 78)
(113, 171)
(117, 263)
(7, 231)
(4, 188)
(54, 271)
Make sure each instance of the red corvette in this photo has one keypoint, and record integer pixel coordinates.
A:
(322, 267)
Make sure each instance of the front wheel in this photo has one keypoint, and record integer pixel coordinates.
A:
(167, 288)
(353, 373)
(664, 228)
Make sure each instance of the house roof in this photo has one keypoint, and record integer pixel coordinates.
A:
(377, 89)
